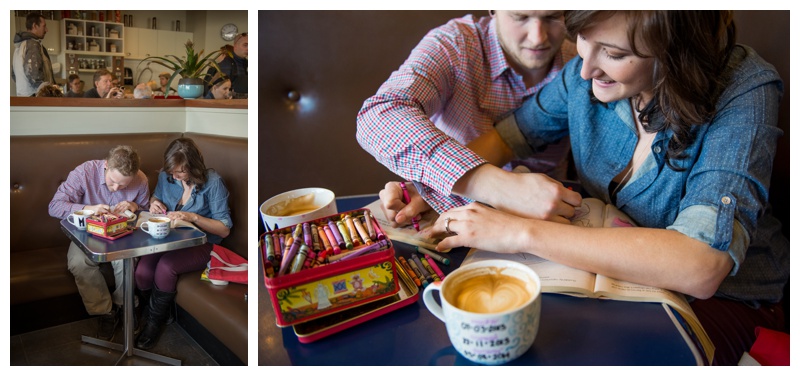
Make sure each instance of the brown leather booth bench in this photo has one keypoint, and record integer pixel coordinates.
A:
(43, 291)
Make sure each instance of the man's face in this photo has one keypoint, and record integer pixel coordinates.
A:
(163, 81)
(41, 29)
(240, 47)
(104, 85)
(116, 181)
(530, 38)
(75, 85)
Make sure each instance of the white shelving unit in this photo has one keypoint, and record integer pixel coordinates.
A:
(92, 41)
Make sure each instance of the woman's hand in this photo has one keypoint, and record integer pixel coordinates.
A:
(186, 216)
(157, 207)
(479, 226)
(398, 212)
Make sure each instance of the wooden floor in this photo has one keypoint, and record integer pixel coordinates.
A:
(61, 346)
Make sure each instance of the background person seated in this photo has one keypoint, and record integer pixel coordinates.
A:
(160, 90)
(221, 89)
(103, 87)
(142, 91)
(75, 87)
(49, 90)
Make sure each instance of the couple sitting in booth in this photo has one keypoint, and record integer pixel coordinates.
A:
(669, 119)
(186, 190)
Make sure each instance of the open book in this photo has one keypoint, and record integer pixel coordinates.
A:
(407, 234)
(145, 216)
(557, 278)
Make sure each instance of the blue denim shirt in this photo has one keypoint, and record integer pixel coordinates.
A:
(211, 201)
(721, 198)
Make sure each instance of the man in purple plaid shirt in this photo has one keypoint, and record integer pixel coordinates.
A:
(459, 80)
(114, 185)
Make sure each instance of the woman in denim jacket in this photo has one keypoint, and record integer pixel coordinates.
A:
(188, 191)
(675, 124)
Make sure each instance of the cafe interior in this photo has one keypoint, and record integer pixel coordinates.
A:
(314, 81)
(50, 136)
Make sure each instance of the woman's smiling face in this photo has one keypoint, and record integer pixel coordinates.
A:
(608, 60)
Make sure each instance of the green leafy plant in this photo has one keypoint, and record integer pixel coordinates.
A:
(194, 66)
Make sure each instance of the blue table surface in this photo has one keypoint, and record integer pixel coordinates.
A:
(573, 331)
(136, 244)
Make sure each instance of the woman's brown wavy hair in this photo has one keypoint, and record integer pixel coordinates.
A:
(690, 51)
(183, 152)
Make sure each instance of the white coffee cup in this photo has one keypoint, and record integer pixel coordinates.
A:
(157, 227)
(491, 309)
(78, 218)
(313, 203)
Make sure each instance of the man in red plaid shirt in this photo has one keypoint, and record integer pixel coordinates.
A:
(460, 79)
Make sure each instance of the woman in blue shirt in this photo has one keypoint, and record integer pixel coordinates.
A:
(188, 191)
(675, 124)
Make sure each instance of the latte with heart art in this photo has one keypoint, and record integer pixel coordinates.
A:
(490, 293)
(491, 309)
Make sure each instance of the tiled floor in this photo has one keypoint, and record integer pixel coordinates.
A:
(61, 345)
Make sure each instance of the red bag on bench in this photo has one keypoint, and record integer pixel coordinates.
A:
(226, 266)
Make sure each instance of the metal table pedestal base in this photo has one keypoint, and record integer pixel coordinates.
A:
(128, 349)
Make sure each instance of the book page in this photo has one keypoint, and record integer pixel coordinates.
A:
(589, 214)
(406, 234)
(555, 277)
(622, 290)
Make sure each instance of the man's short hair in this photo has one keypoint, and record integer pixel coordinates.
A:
(100, 73)
(165, 75)
(33, 19)
(72, 77)
(239, 36)
(124, 159)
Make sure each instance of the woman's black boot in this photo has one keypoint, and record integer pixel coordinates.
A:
(156, 316)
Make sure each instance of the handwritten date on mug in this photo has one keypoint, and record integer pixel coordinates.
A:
(483, 328)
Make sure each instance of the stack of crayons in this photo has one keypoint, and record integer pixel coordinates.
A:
(423, 271)
(322, 241)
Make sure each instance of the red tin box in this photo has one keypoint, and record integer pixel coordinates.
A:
(108, 226)
(323, 290)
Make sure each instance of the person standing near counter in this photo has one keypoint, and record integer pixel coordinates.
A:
(103, 86)
(233, 64)
(94, 185)
(462, 78)
(31, 66)
(188, 191)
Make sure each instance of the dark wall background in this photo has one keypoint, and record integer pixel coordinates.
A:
(316, 68)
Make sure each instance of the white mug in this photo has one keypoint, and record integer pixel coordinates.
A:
(491, 309)
(157, 227)
(321, 203)
(78, 218)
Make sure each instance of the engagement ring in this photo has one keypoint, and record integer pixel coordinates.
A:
(447, 227)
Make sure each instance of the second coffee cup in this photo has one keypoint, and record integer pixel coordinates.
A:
(157, 227)
(78, 218)
(491, 309)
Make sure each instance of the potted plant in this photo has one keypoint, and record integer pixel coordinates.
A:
(192, 69)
